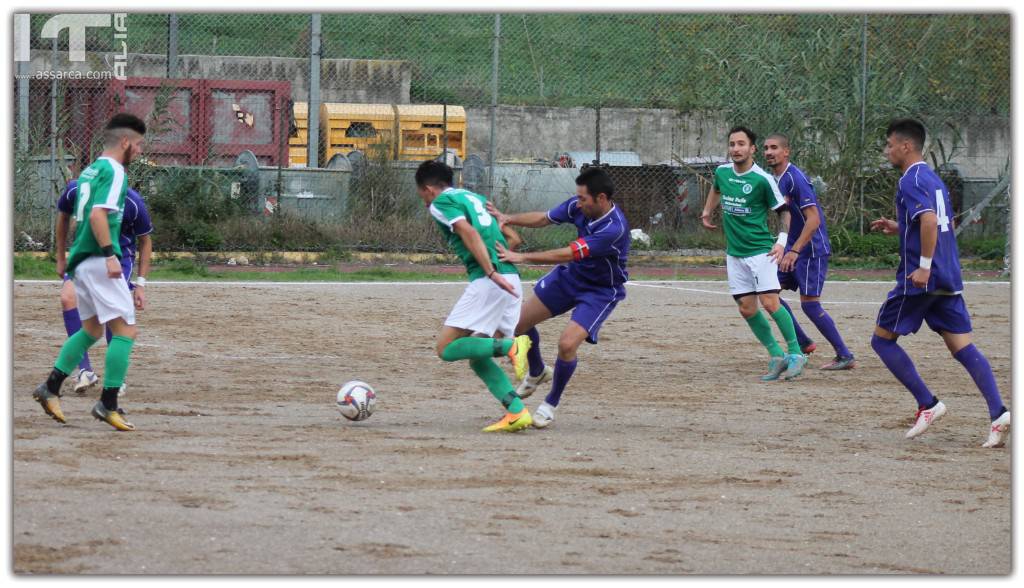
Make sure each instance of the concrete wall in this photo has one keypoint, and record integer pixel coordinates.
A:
(536, 132)
(342, 80)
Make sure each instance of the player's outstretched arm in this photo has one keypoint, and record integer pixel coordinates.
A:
(549, 257)
(709, 208)
(533, 220)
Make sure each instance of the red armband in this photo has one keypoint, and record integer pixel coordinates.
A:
(580, 249)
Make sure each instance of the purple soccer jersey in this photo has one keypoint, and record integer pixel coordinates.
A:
(601, 251)
(921, 190)
(800, 195)
(134, 224)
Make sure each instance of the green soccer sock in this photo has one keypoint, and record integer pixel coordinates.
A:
(497, 382)
(73, 350)
(784, 320)
(118, 353)
(763, 332)
(476, 348)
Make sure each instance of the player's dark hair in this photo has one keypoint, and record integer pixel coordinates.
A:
(123, 120)
(781, 137)
(908, 128)
(434, 173)
(597, 182)
(742, 129)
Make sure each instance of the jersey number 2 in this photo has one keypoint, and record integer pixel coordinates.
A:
(940, 205)
(481, 213)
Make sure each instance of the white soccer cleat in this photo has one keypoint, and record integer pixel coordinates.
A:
(84, 381)
(544, 415)
(925, 417)
(530, 384)
(999, 432)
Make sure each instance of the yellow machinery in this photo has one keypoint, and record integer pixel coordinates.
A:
(298, 146)
(411, 132)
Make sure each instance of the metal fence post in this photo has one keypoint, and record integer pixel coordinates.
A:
(863, 108)
(313, 112)
(494, 105)
(172, 46)
(53, 145)
(597, 134)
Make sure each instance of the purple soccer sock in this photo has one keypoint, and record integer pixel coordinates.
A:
(977, 365)
(801, 336)
(901, 366)
(533, 355)
(563, 371)
(73, 324)
(827, 326)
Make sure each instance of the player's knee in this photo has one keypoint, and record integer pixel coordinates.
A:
(440, 347)
(880, 342)
(567, 347)
(771, 303)
(67, 299)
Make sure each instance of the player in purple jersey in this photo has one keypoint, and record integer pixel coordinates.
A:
(590, 283)
(136, 227)
(928, 284)
(805, 264)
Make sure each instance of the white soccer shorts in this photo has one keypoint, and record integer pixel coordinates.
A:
(485, 308)
(755, 274)
(100, 296)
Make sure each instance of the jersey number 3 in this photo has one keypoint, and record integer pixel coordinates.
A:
(481, 213)
(940, 205)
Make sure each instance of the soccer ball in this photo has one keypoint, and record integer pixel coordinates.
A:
(356, 400)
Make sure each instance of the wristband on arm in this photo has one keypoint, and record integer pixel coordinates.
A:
(783, 238)
(108, 250)
(926, 263)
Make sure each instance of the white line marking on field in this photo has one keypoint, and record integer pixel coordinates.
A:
(463, 283)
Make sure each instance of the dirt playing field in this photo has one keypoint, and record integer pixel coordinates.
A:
(667, 455)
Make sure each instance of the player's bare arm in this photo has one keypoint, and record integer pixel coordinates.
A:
(811, 223)
(709, 208)
(780, 245)
(533, 220)
(101, 230)
(145, 256)
(549, 257)
(61, 241)
(511, 237)
(471, 238)
(886, 226)
(929, 237)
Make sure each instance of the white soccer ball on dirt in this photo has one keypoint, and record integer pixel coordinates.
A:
(356, 400)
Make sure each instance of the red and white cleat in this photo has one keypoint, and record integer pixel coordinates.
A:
(999, 432)
(925, 417)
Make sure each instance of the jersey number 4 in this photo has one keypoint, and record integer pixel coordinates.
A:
(940, 205)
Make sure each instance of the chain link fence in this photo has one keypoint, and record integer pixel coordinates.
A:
(280, 132)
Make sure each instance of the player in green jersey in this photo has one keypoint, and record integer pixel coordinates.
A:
(747, 193)
(492, 301)
(95, 269)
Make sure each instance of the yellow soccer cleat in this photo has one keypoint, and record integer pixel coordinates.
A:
(511, 422)
(114, 418)
(520, 345)
(50, 403)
